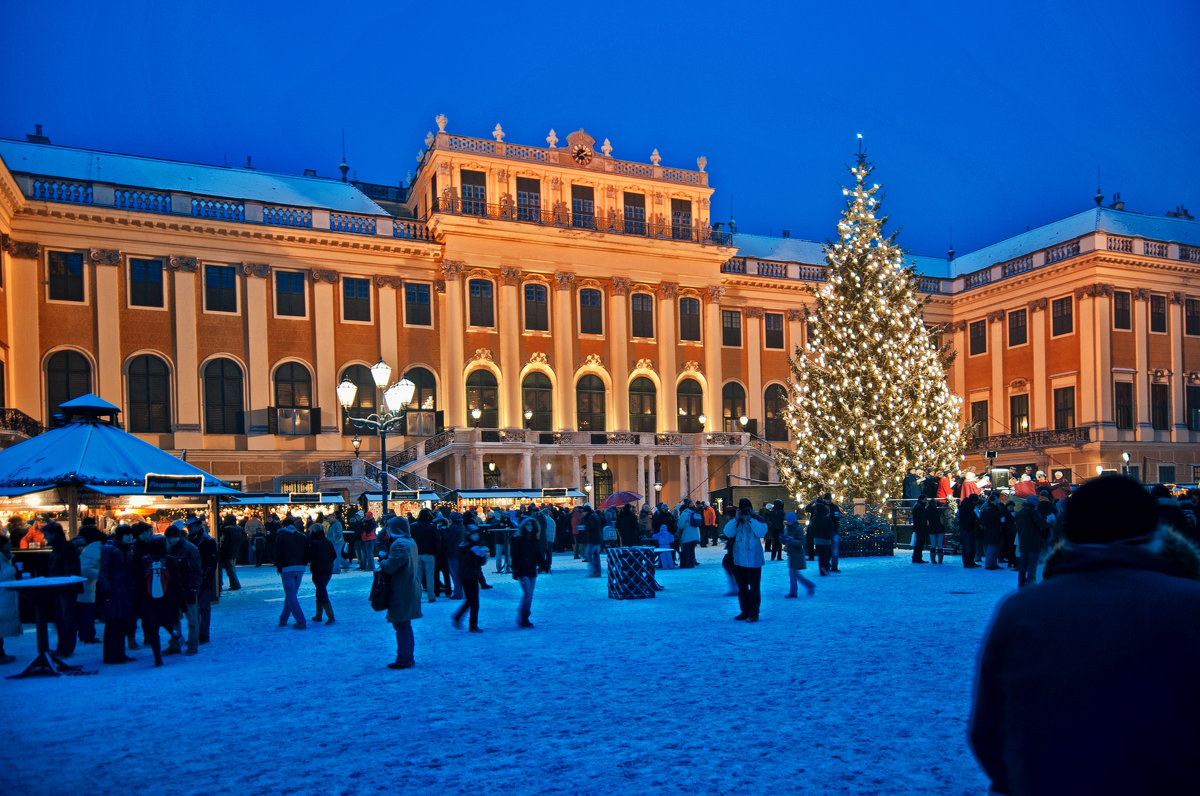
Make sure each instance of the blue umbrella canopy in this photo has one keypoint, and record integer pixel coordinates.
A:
(89, 451)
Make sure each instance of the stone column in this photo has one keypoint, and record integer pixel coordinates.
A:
(325, 310)
(618, 350)
(1141, 390)
(452, 343)
(712, 356)
(754, 385)
(999, 388)
(510, 347)
(258, 366)
(188, 387)
(703, 477)
(22, 280)
(668, 407)
(1037, 342)
(564, 369)
(1179, 429)
(526, 470)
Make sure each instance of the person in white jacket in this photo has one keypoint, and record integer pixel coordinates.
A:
(89, 567)
(747, 533)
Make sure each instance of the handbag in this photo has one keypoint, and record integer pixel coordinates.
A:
(381, 590)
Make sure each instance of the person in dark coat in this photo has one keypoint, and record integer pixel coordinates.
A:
(1087, 684)
(186, 569)
(64, 561)
(291, 559)
(1032, 533)
(528, 556)
(452, 539)
(593, 531)
(967, 520)
(209, 560)
(159, 595)
(935, 531)
(472, 555)
(443, 583)
(775, 518)
(404, 602)
(920, 529)
(627, 527)
(992, 519)
(820, 528)
(911, 488)
(271, 533)
(425, 535)
(232, 539)
(116, 594)
(321, 554)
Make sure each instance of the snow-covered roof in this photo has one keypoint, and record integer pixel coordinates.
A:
(88, 165)
(1117, 222)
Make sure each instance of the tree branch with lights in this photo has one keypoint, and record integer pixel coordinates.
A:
(868, 396)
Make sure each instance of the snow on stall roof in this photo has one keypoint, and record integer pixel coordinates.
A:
(195, 178)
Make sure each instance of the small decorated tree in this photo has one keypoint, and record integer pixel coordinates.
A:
(868, 396)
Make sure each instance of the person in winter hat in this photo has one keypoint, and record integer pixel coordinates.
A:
(291, 559)
(404, 604)
(116, 594)
(666, 559)
(158, 595)
(528, 556)
(472, 555)
(321, 560)
(793, 540)
(747, 532)
(187, 571)
(1087, 682)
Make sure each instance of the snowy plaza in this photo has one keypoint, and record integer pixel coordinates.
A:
(863, 688)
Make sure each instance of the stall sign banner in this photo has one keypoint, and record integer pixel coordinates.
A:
(400, 495)
(304, 497)
(554, 492)
(173, 484)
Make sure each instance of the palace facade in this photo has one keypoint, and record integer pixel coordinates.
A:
(567, 319)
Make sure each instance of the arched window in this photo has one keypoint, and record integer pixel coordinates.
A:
(293, 413)
(364, 400)
(481, 394)
(642, 315)
(589, 403)
(537, 396)
(479, 303)
(422, 410)
(643, 405)
(733, 406)
(774, 400)
(690, 397)
(149, 395)
(223, 398)
(591, 311)
(68, 375)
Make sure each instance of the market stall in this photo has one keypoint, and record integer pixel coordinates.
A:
(401, 501)
(507, 499)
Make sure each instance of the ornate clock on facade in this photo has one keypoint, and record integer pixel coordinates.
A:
(581, 155)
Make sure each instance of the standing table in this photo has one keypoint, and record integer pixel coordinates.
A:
(42, 591)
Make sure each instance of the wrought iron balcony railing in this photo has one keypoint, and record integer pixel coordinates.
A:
(1034, 439)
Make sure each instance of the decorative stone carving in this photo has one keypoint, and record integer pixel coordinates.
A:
(691, 366)
(996, 316)
(439, 285)
(552, 139)
(1018, 384)
(388, 281)
(701, 162)
(1161, 375)
(539, 358)
(563, 280)
(658, 197)
(555, 183)
(23, 249)
(261, 270)
(444, 167)
(1176, 298)
(593, 360)
(754, 312)
(620, 285)
(481, 355)
(441, 122)
(704, 203)
(610, 191)
(655, 158)
(502, 176)
(1141, 294)
(104, 256)
(329, 277)
(510, 274)
(714, 294)
(178, 262)
(795, 316)
(451, 269)
(1103, 290)
(1193, 377)
(498, 133)
(1039, 304)
(580, 138)
(606, 149)
(668, 290)
(428, 141)
(644, 364)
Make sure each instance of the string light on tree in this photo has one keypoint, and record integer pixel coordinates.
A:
(868, 396)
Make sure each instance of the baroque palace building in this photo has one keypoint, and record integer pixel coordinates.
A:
(568, 319)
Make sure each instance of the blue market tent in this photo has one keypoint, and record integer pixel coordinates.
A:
(89, 452)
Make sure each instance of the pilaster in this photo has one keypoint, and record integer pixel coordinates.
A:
(188, 387)
(1141, 390)
(999, 388)
(618, 350)
(564, 284)
(712, 356)
(1037, 341)
(668, 405)
(1085, 411)
(107, 303)
(510, 347)
(324, 356)
(258, 368)
(22, 275)
(1179, 429)
(452, 342)
(754, 386)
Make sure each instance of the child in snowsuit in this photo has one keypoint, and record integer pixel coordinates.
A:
(664, 538)
(793, 540)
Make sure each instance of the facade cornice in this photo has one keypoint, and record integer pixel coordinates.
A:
(12, 201)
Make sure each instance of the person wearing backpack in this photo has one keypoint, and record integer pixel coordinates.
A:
(746, 531)
(690, 521)
(158, 595)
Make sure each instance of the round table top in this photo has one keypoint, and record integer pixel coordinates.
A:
(42, 583)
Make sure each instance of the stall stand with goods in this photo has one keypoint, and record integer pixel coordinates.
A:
(401, 501)
(511, 499)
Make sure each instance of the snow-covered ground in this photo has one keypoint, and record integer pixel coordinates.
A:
(863, 688)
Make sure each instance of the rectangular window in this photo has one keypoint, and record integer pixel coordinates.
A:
(1018, 412)
(145, 283)
(1166, 474)
(356, 299)
(681, 219)
(289, 294)
(1158, 314)
(1191, 402)
(978, 337)
(1062, 319)
(772, 330)
(583, 207)
(1018, 328)
(474, 193)
(1123, 404)
(1122, 316)
(529, 199)
(1064, 407)
(480, 303)
(65, 276)
(731, 328)
(979, 419)
(642, 315)
(1160, 406)
(689, 319)
(416, 304)
(220, 288)
(591, 311)
(635, 214)
(537, 314)
(1191, 316)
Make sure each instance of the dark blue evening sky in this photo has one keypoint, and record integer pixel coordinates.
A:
(985, 117)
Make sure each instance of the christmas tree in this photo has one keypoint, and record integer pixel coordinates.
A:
(868, 396)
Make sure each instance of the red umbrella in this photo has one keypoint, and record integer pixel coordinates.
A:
(619, 499)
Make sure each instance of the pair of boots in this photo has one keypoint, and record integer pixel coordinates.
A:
(937, 555)
(327, 608)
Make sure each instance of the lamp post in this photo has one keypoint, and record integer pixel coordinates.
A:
(476, 413)
(528, 417)
(703, 418)
(396, 398)
(357, 443)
